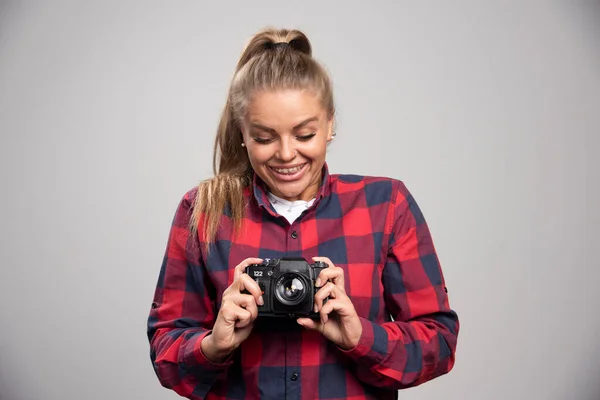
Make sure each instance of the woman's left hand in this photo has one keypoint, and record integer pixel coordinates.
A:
(339, 321)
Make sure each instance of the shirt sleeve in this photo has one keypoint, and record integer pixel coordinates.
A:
(182, 313)
(420, 343)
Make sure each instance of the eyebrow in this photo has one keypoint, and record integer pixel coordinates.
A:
(271, 130)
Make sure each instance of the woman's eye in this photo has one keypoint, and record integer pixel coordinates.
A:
(305, 138)
(262, 140)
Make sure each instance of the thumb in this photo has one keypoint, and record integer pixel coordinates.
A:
(309, 323)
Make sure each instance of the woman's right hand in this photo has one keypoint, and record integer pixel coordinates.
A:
(236, 316)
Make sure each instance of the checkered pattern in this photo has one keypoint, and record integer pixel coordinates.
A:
(369, 226)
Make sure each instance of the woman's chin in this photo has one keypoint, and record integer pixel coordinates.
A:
(289, 194)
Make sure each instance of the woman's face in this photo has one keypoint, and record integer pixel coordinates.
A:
(286, 134)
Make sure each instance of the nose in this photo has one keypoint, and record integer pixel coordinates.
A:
(286, 151)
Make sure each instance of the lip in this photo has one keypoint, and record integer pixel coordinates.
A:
(288, 177)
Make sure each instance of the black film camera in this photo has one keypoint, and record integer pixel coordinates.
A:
(288, 286)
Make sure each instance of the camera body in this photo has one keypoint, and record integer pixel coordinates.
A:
(288, 286)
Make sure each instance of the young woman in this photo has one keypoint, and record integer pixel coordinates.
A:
(386, 323)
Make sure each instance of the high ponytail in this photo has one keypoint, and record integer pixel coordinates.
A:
(273, 59)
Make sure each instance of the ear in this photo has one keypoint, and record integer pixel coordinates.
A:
(330, 130)
(242, 132)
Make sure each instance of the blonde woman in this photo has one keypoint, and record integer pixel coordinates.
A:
(382, 320)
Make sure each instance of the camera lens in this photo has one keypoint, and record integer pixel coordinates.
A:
(290, 289)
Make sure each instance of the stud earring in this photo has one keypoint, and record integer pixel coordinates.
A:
(243, 144)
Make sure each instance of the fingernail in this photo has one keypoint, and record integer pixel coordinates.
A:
(316, 308)
(318, 282)
(261, 301)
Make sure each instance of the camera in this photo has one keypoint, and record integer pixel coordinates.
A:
(288, 286)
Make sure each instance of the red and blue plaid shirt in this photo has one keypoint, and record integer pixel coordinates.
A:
(369, 226)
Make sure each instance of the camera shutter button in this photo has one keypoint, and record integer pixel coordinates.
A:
(294, 235)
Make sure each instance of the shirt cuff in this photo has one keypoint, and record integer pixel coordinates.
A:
(372, 343)
(200, 359)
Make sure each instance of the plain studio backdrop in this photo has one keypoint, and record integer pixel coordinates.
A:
(488, 111)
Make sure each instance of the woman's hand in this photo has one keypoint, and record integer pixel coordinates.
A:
(236, 316)
(339, 321)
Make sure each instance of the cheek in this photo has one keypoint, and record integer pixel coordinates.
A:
(316, 150)
(259, 154)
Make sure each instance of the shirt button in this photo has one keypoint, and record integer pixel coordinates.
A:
(294, 376)
(294, 235)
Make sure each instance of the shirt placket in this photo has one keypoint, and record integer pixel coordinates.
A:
(292, 357)
(293, 244)
(292, 367)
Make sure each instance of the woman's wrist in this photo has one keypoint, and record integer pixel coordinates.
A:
(211, 352)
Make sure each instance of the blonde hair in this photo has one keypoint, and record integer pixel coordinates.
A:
(263, 65)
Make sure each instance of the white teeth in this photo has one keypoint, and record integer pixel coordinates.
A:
(288, 170)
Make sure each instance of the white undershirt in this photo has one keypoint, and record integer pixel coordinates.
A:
(289, 209)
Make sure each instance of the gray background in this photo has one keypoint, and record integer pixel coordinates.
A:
(489, 112)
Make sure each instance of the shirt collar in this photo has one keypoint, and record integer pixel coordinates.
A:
(260, 190)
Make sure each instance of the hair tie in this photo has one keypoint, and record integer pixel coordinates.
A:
(277, 45)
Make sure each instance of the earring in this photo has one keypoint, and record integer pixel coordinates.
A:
(333, 135)
(243, 144)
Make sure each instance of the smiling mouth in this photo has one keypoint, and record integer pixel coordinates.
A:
(288, 171)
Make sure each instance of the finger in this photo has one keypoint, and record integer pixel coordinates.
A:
(332, 273)
(330, 306)
(240, 269)
(240, 310)
(326, 260)
(244, 301)
(232, 312)
(248, 303)
(335, 275)
(245, 282)
(309, 323)
(244, 318)
(326, 291)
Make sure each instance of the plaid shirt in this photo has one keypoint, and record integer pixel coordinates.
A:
(373, 229)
